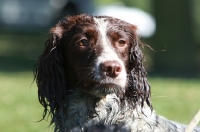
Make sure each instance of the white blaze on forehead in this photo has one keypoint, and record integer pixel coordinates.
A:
(108, 53)
(107, 50)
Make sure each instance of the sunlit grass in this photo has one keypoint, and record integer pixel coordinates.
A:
(176, 99)
(20, 110)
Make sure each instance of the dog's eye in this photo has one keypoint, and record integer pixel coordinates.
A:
(82, 42)
(121, 42)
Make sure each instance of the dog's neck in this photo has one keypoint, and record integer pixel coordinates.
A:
(85, 109)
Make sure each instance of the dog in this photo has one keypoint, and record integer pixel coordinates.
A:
(91, 72)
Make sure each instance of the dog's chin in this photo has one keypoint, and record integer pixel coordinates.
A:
(103, 89)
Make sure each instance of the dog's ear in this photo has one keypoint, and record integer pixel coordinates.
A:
(139, 86)
(49, 73)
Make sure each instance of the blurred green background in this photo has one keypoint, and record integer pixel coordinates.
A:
(174, 73)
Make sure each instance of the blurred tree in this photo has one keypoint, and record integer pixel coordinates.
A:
(174, 34)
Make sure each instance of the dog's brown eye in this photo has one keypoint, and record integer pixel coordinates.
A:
(82, 42)
(121, 42)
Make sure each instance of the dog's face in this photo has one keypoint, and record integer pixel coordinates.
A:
(96, 53)
(92, 55)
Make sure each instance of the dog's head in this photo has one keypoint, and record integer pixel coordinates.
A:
(96, 55)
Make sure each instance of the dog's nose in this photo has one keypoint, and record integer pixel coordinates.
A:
(111, 68)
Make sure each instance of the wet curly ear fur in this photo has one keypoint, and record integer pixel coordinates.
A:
(139, 88)
(50, 76)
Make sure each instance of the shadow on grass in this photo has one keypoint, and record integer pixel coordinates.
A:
(15, 64)
(19, 52)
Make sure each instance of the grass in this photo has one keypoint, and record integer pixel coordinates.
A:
(18, 52)
(176, 99)
(20, 109)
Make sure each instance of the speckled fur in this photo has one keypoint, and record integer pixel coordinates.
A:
(83, 112)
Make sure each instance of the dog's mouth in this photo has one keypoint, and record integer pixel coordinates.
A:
(104, 85)
(102, 88)
(98, 84)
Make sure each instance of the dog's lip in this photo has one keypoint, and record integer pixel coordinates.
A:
(104, 84)
(99, 84)
(86, 84)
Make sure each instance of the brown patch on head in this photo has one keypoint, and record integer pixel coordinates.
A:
(70, 22)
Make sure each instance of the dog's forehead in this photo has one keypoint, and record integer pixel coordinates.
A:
(102, 25)
(109, 24)
(104, 22)
(110, 20)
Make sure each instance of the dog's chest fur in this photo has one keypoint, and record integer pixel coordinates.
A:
(83, 110)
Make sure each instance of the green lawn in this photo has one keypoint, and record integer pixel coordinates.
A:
(20, 110)
(176, 99)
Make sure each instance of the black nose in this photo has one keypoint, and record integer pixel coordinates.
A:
(111, 68)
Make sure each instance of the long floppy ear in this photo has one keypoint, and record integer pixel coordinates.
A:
(49, 74)
(139, 86)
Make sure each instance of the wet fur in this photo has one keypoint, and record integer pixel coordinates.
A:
(75, 94)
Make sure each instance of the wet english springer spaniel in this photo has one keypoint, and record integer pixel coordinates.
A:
(91, 72)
